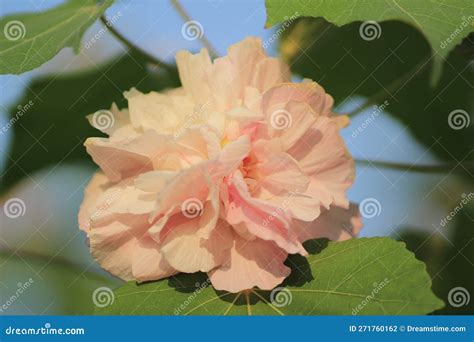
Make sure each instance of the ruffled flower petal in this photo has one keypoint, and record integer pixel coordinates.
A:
(113, 244)
(336, 224)
(260, 218)
(251, 264)
(148, 262)
(328, 164)
(206, 253)
(96, 187)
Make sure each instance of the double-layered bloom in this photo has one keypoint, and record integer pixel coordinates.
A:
(226, 175)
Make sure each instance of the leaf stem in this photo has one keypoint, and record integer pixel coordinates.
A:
(182, 12)
(151, 59)
(449, 167)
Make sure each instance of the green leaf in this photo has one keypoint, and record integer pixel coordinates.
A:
(443, 24)
(448, 259)
(376, 276)
(52, 128)
(29, 40)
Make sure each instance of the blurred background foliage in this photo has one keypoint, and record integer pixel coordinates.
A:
(44, 163)
(396, 68)
(59, 107)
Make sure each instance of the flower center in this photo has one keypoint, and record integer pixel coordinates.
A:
(224, 141)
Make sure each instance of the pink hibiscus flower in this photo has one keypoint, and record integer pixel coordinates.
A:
(226, 175)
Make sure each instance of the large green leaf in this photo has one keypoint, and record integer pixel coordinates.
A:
(29, 40)
(52, 130)
(444, 23)
(361, 276)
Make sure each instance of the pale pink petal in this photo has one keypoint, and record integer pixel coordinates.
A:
(251, 264)
(290, 122)
(261, 218)
(206, 253)
(253, 100)
(336, 224)
(224, 84)
(125, 158)
(191, 193)
(122, 198)
(214, 119)
(148, 262)
(301, 207)
(154, 181)
(261, 148)
(324, 106)
(114, 122)
(280, 181)
(270, 72)
(97, 185)
(210, 215)
(203, 215)
(112, 245)
(196, 145)
(192, 184)
(242, 121)
(230, 75)
(230, 158)
(192, 70)
(245, 57)
(115, 161)
(279, 172)
(309, 92)
(155, 111)
(328, 163)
